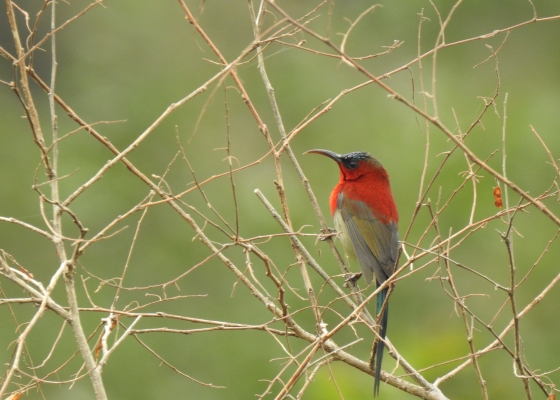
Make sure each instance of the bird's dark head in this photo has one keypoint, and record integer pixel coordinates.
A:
(354, 165)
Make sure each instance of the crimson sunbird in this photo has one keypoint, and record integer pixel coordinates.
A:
(365, 217)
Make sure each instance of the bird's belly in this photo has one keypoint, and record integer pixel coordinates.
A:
(343, 235)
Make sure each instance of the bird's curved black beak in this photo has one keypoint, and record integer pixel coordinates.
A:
(328, 153)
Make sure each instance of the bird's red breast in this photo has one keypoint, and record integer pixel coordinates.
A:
(368, 183)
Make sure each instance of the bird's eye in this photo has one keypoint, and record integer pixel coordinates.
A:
(352, 164)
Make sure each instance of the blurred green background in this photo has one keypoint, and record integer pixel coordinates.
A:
(124, 63)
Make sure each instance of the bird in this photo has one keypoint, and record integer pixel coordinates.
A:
(366, 218)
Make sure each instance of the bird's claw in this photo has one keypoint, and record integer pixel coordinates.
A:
(325, 235)
(352, 278)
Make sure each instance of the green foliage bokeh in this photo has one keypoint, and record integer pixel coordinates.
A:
(126, 62)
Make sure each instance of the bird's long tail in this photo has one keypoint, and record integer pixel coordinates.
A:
(382, 332)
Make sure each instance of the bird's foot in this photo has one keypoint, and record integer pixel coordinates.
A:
(352, 278)
(328, 234)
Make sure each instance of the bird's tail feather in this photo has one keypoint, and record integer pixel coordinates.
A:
(382, 333)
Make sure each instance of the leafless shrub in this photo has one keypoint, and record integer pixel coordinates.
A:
(311, 318)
